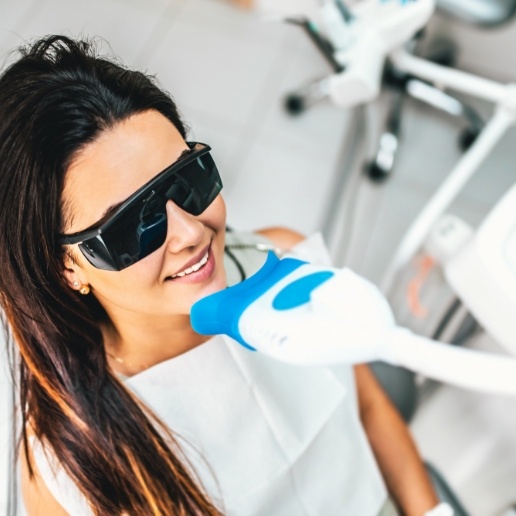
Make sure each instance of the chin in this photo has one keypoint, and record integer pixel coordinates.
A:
(215, 286)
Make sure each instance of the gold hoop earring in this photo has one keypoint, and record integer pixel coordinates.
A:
(84, 290)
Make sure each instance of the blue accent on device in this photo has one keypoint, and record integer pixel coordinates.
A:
(298, 292)
(219, 313)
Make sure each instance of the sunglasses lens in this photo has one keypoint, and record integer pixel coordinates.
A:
(98, 255)
(136, 234)
(142, 228)
(196, 185)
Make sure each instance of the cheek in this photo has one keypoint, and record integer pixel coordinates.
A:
(215, 218)
(215, 215)
(140, 275)
(132, 289)
(116, 286)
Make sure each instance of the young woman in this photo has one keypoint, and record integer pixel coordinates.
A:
(111, 227)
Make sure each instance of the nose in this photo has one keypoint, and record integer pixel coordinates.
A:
(183, 229)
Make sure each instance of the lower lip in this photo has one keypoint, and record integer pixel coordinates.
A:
(204, 273)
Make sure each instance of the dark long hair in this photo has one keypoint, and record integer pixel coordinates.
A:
(54, 100)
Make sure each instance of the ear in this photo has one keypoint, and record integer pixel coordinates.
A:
(73, 272)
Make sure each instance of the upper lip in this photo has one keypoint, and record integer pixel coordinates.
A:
(197, 258)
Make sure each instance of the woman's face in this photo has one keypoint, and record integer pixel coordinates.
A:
(107, 172)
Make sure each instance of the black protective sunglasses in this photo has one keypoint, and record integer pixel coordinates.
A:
(139, 225)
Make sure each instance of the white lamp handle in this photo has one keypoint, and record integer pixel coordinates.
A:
(459, 366)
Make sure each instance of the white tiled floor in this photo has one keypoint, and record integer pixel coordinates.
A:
(229, 72)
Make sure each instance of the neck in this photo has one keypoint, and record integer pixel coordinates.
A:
(135, 345)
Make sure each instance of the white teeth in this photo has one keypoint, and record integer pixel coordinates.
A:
(193, 268)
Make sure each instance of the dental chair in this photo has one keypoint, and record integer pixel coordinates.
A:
(444, 493)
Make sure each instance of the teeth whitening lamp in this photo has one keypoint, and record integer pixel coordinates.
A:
(304, 314)
(308, 315)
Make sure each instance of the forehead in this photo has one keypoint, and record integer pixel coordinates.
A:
(121, 160)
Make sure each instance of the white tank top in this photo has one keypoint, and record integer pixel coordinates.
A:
(266, 438)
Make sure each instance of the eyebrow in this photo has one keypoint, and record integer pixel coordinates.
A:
(114, 207)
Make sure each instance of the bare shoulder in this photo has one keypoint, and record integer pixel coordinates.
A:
(37, 498)
(282, 237)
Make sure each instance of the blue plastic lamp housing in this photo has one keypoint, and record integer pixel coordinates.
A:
(219, 313)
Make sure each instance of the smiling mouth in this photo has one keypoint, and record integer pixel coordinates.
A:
(193, 268)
